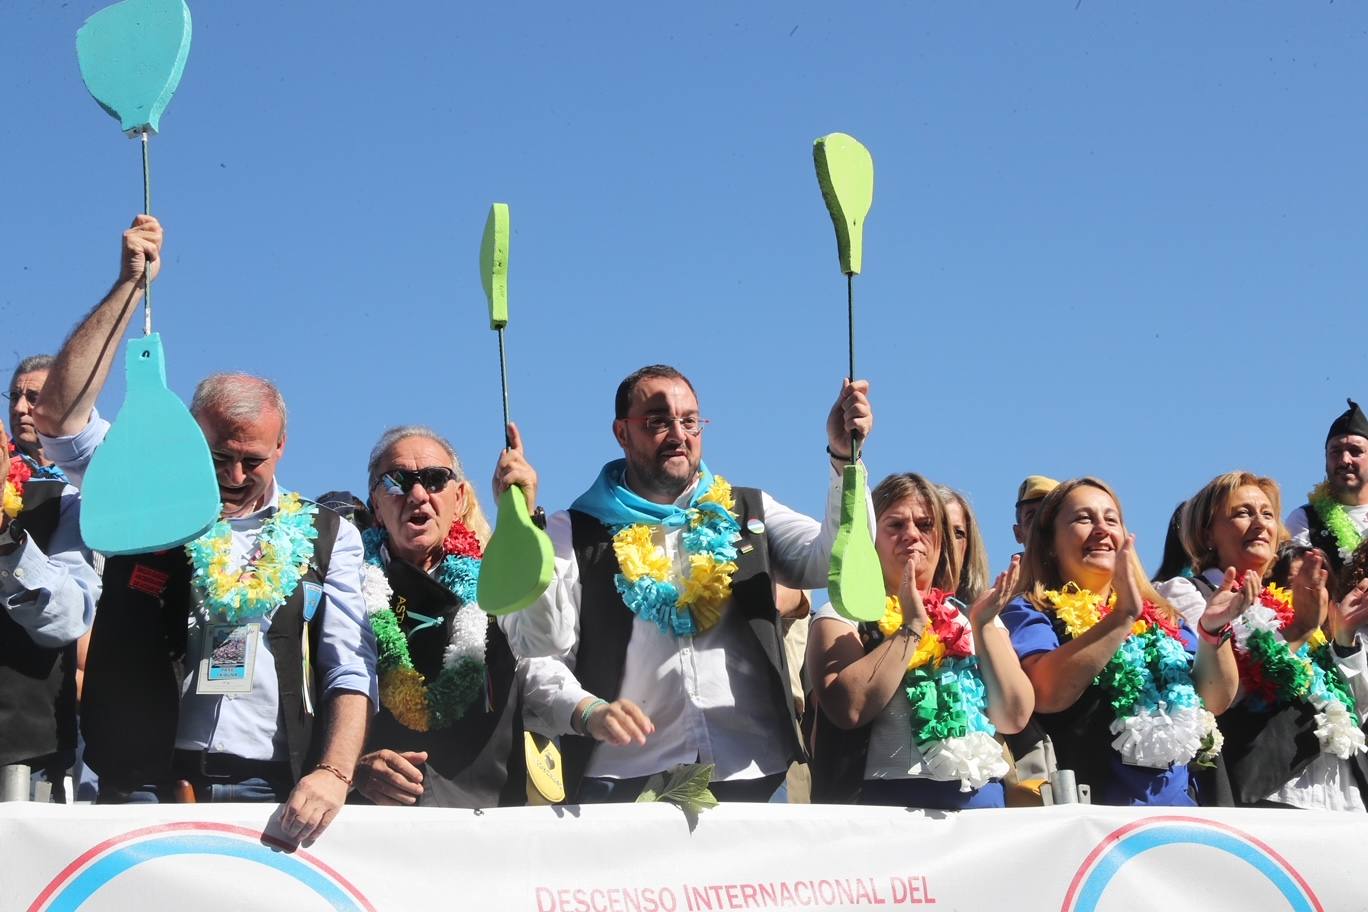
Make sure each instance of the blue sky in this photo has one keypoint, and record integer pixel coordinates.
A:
(1118, 241)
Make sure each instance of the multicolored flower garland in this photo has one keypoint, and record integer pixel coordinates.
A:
(1336, 519)
(710, 542)
(1271, 674)
(19, 474)
(948, 699)
(1160, 719)
(404, 691)
(284, 547)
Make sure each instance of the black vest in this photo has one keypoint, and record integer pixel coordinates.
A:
(37, 683)
(137, 663)
(478, 761)
(1323, 538)
(606, 625)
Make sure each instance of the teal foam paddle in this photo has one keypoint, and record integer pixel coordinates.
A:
(151, 484)
(845, 173)
(132, 55)
(519, 560)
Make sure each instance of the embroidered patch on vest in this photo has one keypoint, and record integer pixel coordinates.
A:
(147, 580)
(313, 594)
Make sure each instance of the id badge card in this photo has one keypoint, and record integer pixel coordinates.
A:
(227, 658)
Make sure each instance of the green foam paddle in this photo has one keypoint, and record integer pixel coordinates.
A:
(519, 560)
(151, 484)
(845, 172)
(132, 55)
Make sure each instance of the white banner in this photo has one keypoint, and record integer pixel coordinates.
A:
(644, 858)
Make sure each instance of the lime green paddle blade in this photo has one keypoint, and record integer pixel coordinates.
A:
(494, 264)
(845, 171)
(518, 561)
(856, 583)
(151, 484)
(132, 55)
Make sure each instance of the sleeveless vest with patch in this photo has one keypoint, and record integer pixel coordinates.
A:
(37, 683)
(137, 662)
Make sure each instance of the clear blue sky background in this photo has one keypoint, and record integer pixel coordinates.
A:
(1120, 241)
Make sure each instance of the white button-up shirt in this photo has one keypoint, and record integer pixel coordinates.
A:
(709, 696)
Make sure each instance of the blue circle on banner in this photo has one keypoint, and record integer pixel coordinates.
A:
(95, 868)
(1102, 864)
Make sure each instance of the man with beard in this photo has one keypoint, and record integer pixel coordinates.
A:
(658, 642)
(1336, 517)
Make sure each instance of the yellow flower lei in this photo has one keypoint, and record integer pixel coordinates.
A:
(14, 501)
(709, 583)
(929, 650)
(1080, 610)
(260, 585)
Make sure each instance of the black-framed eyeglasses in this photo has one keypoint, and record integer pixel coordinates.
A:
(434, 479)
(659, 424)
(30, 394)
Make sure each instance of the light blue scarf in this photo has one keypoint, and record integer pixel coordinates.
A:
(614, 504)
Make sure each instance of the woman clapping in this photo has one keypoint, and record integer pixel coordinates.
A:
(909, 706)
(1117, 685)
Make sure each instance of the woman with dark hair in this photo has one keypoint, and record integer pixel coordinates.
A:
(1175, 561)
(1293, 737)
(1124, 689)
(909, 706)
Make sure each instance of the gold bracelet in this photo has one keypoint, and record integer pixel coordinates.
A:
(335, 771)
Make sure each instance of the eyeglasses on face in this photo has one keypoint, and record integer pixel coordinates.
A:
(434, 479)
(30, 394)
(659, 424)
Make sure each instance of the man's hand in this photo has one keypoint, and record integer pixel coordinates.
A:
(849, 415)
(391, 777)
(312, 805)
(514, 469)
(620, 722)
(141, 252)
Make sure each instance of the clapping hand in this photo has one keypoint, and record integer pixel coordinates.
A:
(990, 604)
(1232, 597)
(1348, 616)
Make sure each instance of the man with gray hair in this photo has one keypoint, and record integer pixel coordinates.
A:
(26, 384)
(208, 664)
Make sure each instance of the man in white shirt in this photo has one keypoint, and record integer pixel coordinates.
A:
(1336, 517)
(658, 642)
(195, 673)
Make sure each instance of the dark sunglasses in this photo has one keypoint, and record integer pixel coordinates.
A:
(434, 479)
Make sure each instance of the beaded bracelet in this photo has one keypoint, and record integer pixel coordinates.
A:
(335, 771)
(587, 712)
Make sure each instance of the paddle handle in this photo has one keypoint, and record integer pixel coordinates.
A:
(503, 385)
(850, 322)
(147, 209)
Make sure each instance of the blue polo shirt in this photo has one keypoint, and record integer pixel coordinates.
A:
(1033, 633)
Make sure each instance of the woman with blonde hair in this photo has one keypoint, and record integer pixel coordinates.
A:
(970, 552)
(1293, 738)
(908, 707)
(449, 729)
(1125, 690)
